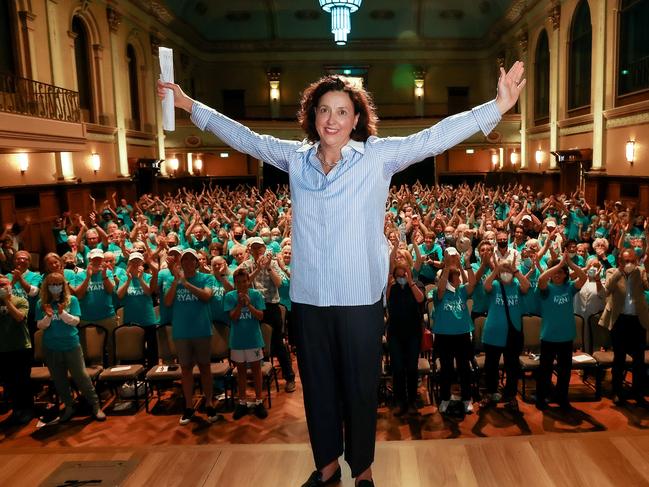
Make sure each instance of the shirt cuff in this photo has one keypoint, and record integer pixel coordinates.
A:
(487, 115)
(44, 322)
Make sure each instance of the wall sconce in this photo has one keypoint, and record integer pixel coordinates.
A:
(224, 155)
(538, 156)
(274, 90)
(514, 158)
(495, 159)
(470, 151)
(23, 163)
(198, 165)
(173, 165)
(95, 162)
(630, 151)
(419, 87)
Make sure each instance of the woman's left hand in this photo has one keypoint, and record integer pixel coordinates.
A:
(510, 85)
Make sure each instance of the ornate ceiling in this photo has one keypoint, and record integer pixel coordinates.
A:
(217, 24)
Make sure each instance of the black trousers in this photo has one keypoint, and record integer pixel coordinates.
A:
(15, 370)
(562, 352)
(404, 361)
(339, 359)
(628, 336)
(151, 345)
(458, 348)
(511, 351)
(273, 316)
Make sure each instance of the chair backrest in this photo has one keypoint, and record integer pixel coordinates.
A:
(267, 333)
(531, 333)
(120, 315)
(600, 336)
(93, 343)
(166, 346)
(578, 344)
(39, 356)
(220, 342)
(478, 325)
(129, 343)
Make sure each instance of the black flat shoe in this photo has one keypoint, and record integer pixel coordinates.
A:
(316, 479)
(365, 483)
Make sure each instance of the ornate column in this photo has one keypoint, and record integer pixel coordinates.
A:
(598, 16)
(27, 61)
(554, 15)
(156, 42)
(523, 100)
(114, 19)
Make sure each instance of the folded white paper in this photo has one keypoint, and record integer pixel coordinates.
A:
(166, 57)
(582, 358)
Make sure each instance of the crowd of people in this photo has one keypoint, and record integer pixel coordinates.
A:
(222, 255)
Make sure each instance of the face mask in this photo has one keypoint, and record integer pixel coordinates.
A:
(401, 281)
(238, 236)
(489, 227)
(448, 236)
(638, 251)
(527, 262)
(69, 265)
(502, 245)
(629, 268)
(592, 272)
(266, 239)
(152, 237)
(506, 277)
(55, 289)
(572, 254)
(278, 238)
(3, 292)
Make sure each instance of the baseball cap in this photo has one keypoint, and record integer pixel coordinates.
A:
(135, 255)
(526, 217)
(189, 251)
(551, 224)
(451, 251)
(177, 249)
(255, 240)
(96, 253)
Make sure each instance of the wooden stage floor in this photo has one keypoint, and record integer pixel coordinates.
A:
(587, 459)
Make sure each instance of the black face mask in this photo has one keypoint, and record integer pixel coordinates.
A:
(237, 237)
(69, 265)
(502, 245)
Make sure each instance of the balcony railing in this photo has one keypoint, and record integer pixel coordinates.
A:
(28, 97)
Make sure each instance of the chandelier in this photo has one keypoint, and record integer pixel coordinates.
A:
(340, 11)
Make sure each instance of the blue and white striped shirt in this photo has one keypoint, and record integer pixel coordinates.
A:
(340, 254)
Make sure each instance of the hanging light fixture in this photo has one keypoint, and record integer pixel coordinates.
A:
(340, 11)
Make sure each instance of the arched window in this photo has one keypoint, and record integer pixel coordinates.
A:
(82, 62)
(579, 59)
(7, 45)
(133, 87)
(633, 48)
(542, 79)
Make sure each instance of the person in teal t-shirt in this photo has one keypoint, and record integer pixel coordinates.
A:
(135, 293)
(482, 269)
(453, 327)
(188, 296)
(246, 308)
(431, 254)
(222, 283)
(57, 313)
(502, 333)
(558, 328)
(25, 283)
(165, 277)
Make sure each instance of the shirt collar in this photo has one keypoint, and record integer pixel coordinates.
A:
(353, 144)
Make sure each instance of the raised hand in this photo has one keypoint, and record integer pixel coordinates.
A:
(181, 100)
(510, 85)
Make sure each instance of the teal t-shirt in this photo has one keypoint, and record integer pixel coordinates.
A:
(480, 298)
(196, 244)
(216, 303)
(274, 247)
(557, 312)
(122, 277)
(138, 307)
(96, 304)
(531, 300)
(496, 326)
(435, 253)
(284, 290)
(190, 317)
(164, 281)
(245, 333)
(60, 336)
(451, 313)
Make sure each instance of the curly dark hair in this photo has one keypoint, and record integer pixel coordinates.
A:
(361, 99)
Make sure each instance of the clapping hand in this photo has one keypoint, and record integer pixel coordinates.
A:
(47, 309)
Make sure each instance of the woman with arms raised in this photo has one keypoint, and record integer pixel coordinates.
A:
(340, 265)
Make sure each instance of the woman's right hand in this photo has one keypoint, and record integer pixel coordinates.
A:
(181, 100)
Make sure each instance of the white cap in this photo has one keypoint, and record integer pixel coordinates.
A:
(255, 240)
(451, 251)
(550, 223)
(135, 255)
(189, 251)
(177, 249)
(96, 253)
(463, 244)
(526, 217)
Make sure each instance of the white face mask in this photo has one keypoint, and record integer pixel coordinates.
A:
(506, 277)
(629, 268)
(401, 281)
(592, 272)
